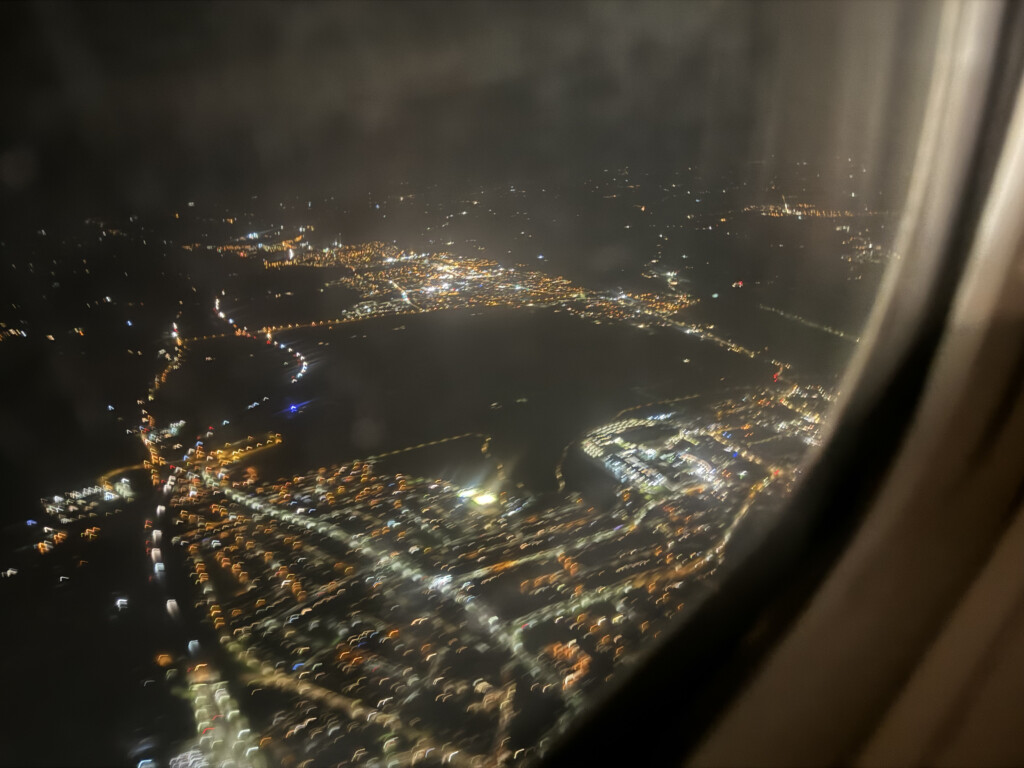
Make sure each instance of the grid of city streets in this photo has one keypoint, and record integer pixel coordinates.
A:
(369, 614)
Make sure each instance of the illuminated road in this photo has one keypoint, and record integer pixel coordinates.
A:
(357, 710)
(405, 296)
(105, 478)
(222, 735)
(483, 437)
(731, 346)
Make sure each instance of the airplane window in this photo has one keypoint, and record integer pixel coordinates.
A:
(383, 382)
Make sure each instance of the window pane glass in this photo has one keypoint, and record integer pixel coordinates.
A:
(394, 376)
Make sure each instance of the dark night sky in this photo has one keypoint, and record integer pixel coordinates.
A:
(145, 104)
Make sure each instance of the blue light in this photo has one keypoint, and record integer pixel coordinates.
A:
(294, 408)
